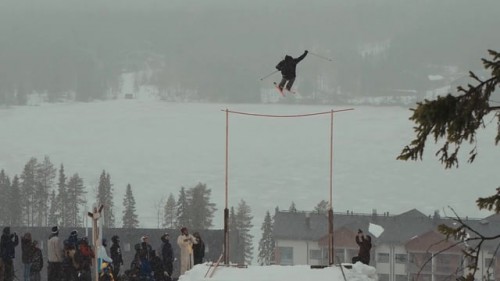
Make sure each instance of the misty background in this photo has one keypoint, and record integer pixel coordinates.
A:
(216, 51)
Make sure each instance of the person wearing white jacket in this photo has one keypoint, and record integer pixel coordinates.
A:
(186, 241)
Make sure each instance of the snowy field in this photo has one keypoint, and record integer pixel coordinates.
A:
(158, 147)
(358, 272)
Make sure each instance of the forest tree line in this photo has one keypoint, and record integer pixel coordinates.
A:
(43, 195)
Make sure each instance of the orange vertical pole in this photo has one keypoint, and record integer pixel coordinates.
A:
(226, 209)
(331, 248)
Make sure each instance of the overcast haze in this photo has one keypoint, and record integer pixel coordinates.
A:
(219, 49)
(136, 88)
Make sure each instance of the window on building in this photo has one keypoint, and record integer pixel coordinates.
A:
(315, 254)
(401, 258)
(383, 257)
(351, 254)
(383, 277)
(286, 255)
(339, 255)
(400, 277)
(420, 262)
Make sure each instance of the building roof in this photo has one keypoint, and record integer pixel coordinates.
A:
(398, 229)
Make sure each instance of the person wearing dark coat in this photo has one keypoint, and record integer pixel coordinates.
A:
(26, 254)
(36, 262)
(365, 245)
(8, 244)
(198, 249)
(167, 254)
(157, 267)
(287, 68)
(116, 255)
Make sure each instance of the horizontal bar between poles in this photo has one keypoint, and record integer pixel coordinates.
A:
(286, 116)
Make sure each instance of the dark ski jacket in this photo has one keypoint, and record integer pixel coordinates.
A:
(37, 261)
(167, 253)
(288, 66)
(26, 250)
(198, 252)
(365, 245)
(8, 244)
(116, 254)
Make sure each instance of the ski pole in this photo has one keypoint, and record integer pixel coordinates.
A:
(268, 75)
(320, 56)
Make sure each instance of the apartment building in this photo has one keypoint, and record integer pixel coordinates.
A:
(409, 248)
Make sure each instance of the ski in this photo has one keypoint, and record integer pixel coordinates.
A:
(278, 88)
(282, 91)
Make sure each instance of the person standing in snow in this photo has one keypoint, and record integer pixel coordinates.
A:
(55, 256)
(26, 254)
(185, 242)
(36, 262)
(287, 68)
(198, 249)
(365, 245)
(116, 255)
(8, 244)
(167, 254)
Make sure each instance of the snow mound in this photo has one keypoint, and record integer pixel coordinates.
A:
(358, 272)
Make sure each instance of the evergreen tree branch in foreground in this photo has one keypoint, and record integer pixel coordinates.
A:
(455, 120)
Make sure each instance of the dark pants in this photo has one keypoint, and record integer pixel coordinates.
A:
(54, 271)
(169, 268)
(116, 269)
(9, 270)
(288, 85)
(35, 276)
(365, 260)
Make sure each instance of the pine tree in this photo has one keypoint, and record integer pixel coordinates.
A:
(15, 208)
(244, 224)
(28, 187)
(45, 175)
(183, 217)
(169, 212)
(105, 198)
(292, 208)
(76, 197)
(129, 216)
(236, 245)
(266, 243)
(4, 199)
(201, 211)
(53, 217)
(322, 207)
(61, 202)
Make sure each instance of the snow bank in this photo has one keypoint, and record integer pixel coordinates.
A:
(358, 272)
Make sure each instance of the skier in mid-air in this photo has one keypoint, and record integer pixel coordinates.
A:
(287, 68)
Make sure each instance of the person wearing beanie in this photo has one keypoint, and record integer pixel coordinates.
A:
(54, 256)
(185, 242)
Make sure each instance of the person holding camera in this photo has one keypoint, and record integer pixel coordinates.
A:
(365, 245)
(8, 244)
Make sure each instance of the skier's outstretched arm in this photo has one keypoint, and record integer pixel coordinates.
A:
(279, 66)
(297, 60)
